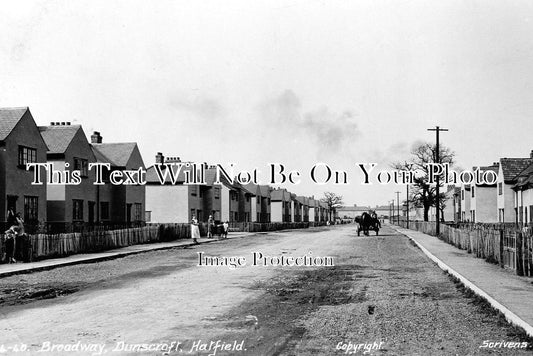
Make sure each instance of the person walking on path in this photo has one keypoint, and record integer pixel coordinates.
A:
(21, 243)
(10, 243)
(210, 227)
(195, 230)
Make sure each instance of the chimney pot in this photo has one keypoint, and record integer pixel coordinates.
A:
(96, 138)
(159, 158)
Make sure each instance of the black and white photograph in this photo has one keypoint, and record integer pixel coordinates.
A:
(266, 177)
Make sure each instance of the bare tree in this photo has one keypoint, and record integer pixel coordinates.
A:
(333, 202)
(421, 193)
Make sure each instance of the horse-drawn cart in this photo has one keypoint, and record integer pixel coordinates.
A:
(367, 222)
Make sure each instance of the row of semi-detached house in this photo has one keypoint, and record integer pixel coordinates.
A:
(509, 200)
(61, 206)
(227, 201)
(66, 148)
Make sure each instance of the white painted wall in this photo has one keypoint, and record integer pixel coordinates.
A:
(485, 204)
(224, 203)
(168, 204)
(55, 191)
(276, 211)
(253, 211)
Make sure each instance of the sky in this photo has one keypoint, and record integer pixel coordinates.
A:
(290, 82)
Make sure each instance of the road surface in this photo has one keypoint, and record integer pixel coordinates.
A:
(382, 296)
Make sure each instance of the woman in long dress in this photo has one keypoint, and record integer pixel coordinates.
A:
(195, 230)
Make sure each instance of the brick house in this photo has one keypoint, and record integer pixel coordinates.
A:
(259, 202)
(68, 150)
(304, 203)
(296, 209)
(174, 203)
(313, 210)
(245, 203)
(508, 171)
(119, 204)
(21, 143)
(523, 196)
(466, 197)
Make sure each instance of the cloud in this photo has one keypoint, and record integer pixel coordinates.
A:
(324, 127)
(204, 108)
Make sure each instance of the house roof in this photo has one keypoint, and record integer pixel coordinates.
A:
(303, 200)
(58, 138)
(494, 168)
(525, 178)
(9, 118)
(264, 190)
(280, 194)
(118, 154)
(249, 188)
(512, 167)
(151, 174)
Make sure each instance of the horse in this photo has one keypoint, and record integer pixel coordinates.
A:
(367, 222)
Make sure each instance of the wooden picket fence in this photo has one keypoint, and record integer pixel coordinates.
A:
(42, 246)
(504, 244)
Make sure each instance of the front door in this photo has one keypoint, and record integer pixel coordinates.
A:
(91, 212)
(128, 213)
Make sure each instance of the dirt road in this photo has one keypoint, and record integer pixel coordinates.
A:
(382, 294)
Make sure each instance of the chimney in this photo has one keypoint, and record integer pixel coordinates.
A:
(159, 158)
(531, 154)
(96, 138)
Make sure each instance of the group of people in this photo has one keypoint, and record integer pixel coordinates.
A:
(195, 230)
(14, 233)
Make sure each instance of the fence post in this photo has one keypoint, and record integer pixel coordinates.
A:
(519, 265)
(501, 248)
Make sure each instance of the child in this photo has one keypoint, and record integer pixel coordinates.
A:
(11, 235)
(225, 231)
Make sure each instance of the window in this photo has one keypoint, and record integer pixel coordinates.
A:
(217, 193)
(77, 209)
(137, 212)
(472, 191)
(462, 195)
(26, 155)
(81, 165)
(31, 208)
(500, 188)
(247, 198)
(104, 210)
(194, 190)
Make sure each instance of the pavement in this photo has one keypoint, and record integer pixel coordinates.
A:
(19, 268)
(510, 294)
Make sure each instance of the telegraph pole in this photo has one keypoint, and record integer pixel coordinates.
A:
(437, 160)
(407, 204)
(398, 199)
